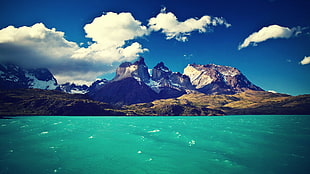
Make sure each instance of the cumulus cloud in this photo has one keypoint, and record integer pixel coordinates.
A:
(110, 32)
(40, 46)
(305, 61)
(112, 29)
(113, 41)
(174, 29)
(270, 32)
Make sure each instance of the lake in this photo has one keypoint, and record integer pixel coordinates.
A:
(155, 145)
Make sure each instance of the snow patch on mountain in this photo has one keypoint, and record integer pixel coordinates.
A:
(40, 84)
(154, 85)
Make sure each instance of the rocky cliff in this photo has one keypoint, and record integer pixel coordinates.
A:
(217, 79)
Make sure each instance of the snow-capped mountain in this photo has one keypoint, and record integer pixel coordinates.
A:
(13, 76)
(134, 84)
(72, 88)
(218, 79)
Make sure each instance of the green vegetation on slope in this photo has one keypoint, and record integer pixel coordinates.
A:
(50, 102)
(245, 103)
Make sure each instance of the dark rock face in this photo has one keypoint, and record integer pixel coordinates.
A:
(127, 87)
(125, 91)
(97, 84)
(14, 77)
(217, 79)
(160, 71)
(169, 84)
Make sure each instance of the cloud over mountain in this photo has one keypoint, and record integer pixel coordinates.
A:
(168, 24)
(40, 46)
(114, 29)
(110, 33)
(270, 32)
(113, 41)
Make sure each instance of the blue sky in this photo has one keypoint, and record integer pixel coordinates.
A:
(273, 37)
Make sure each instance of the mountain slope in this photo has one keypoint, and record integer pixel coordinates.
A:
(125, 91)
(50, 102)
(246, 103)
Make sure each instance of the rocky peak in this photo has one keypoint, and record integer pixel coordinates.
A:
(218, 79)
(160, 71)
(138, 70)
(168, 83)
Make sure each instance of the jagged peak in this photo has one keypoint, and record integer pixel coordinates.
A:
(222, 69)
(138, 70)
(161, 66)
(140, 61)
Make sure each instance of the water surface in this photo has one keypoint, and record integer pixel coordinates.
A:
(155, 145)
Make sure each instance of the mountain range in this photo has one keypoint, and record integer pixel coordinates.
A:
(134, 84)
(136, 90)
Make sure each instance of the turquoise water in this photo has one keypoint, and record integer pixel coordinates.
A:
(155, 145)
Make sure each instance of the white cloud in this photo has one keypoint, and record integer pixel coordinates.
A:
(110, 33)
(43, 47)
(112, 29)
(172, 28)
(305, 61)
(42, 40)
(38, 46)
(270, 32)
(112, 37)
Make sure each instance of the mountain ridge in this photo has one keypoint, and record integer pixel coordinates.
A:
(208, 79)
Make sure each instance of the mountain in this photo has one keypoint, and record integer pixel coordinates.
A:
(169, 84)
(13, 77)
(217, 79)
(202, 90)
(138, 70)
(133, 83)
(127, 87)
(72, 88)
